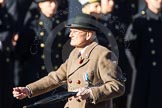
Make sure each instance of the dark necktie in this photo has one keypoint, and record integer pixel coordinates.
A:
(79, 54)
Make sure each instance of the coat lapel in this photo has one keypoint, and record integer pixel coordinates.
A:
(78, 63)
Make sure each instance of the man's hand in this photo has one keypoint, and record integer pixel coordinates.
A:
(15, 39)
(83, 93)
(20, 92)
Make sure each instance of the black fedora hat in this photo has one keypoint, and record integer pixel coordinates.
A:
(83, 21)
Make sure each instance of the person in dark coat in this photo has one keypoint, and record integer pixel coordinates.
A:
(36, 57)
(122, 14)
(8, 37)
(144, 40)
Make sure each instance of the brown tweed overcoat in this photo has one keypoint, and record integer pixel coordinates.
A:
(99, 65)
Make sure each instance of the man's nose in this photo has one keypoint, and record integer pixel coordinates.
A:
(71, 34)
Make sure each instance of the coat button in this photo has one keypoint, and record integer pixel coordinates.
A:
(36, 16)
(55, 67)
(153, 52)
(59, 33)
(6, 15)
(59, 45)
(57, 21)
(78, 82)
(81, 61)
(43, 56)
(151, 40)
(109, 34)
(70, 81)
(7, 48)
(154, 63)
(116, 6)
(143, 12)
(42, 45)
(57, 56)
(43, 67)
(133, 5)
(150, 29)
(7, 60)
(41, 33)
(41, 23)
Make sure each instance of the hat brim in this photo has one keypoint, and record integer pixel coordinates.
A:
(80, 27)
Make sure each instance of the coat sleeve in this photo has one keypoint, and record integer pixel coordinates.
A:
(111, 79)
(50, 82)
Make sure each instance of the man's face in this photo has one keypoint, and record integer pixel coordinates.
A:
(97, 9)
(107, 6)
(154, 4)
(49, 7)
(78, 37)
(92, 9)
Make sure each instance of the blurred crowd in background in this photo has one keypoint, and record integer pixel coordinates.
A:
(33, 42)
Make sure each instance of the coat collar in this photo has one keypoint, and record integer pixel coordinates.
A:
(81, 61)
(152, 15)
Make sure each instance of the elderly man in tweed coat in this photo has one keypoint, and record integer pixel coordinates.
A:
(91, 71)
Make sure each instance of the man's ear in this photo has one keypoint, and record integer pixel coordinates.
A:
(89, 35)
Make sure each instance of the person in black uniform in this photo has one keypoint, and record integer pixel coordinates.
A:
(144, 41)
(8, 37)
(123, 12)
(33, 49)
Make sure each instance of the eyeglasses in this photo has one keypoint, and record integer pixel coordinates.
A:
(77, 32)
